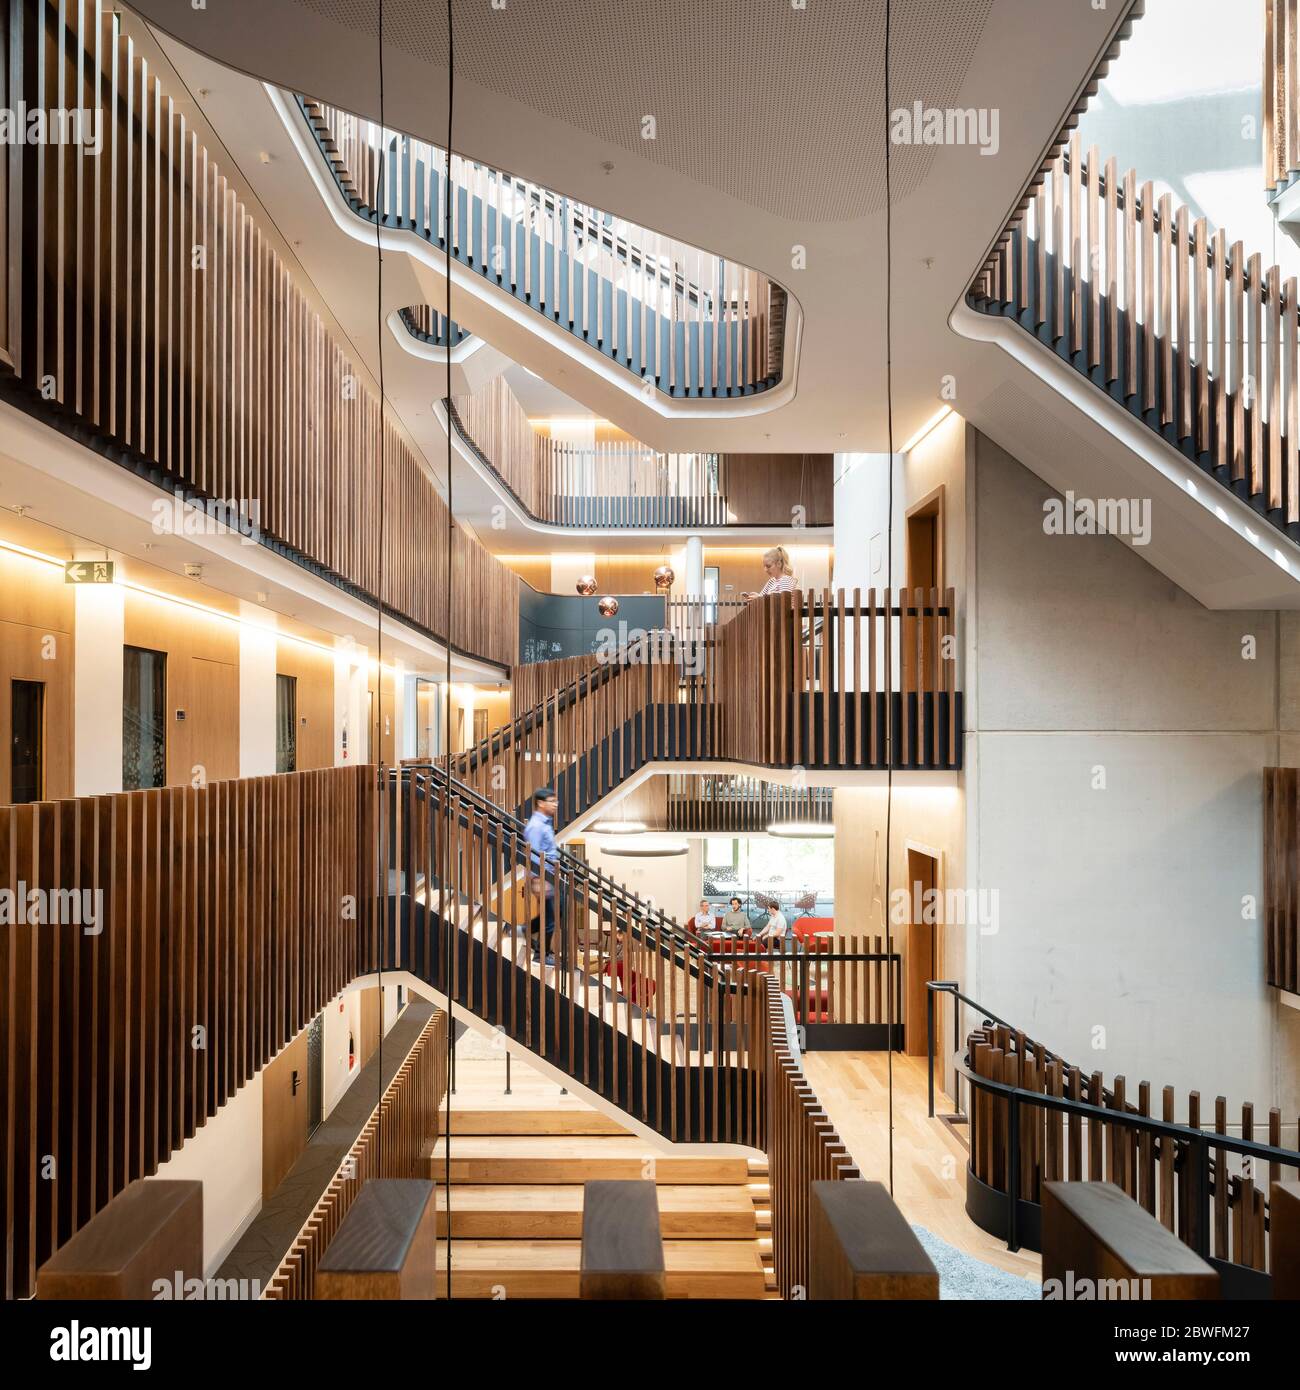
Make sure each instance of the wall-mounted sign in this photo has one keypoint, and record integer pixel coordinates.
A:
(89, 571)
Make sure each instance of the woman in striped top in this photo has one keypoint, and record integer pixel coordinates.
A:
(780, 574)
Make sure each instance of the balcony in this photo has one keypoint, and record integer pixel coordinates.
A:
(678, 323)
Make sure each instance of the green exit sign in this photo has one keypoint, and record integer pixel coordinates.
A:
(89, 571)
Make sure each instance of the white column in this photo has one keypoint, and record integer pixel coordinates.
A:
(257, 691)
(694, 575)
(861, 534)
(97, 688)
(351, 737)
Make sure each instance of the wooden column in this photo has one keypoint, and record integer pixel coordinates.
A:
(622, 1250)
(386, 1246)
(152, 1230)
(1284, 1230)
(861, 1247)
(1093, 1231)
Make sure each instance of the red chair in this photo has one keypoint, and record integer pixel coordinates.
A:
(635, 982)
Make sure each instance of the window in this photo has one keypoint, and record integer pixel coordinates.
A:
(27, 745)
(286, 723)
(144, 718)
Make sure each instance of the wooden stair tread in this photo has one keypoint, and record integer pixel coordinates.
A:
(550, 1268)
(527, 1160)
(518, 1120)
(505, 1212)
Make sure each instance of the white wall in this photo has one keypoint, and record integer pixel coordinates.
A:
(225, 1155)
(97, 688)
(673, 882)
(1115, 743)
(257, 694)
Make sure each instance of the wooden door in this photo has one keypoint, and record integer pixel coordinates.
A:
(920, 962)
(284, 1113)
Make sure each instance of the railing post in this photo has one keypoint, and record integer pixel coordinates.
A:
(929, 1041)
(1201, 1196)
(1013, 1172)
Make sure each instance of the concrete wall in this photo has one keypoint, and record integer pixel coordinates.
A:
(1116, 733)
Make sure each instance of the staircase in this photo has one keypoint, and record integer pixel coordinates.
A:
(681, 322)
(514, 1208)
(1180, 353)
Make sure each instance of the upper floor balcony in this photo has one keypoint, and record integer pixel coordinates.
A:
(678, 324)
(607, 481)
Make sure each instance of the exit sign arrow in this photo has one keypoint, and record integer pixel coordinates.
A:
(89, 571)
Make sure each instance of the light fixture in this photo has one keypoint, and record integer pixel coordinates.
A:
(936, 419)
(664, 577)
(802, 830)
(608, 606)
(648, 847)
(619, 827)
(586, 585)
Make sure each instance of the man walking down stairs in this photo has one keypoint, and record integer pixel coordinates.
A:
(518, 1164)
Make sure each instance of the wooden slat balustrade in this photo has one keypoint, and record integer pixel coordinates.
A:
(1157, 1172)
(633, 1007)
(156, 322)
(794, 680)
(625, 484)
(1281, 70)
(692, 323)
(1176, 323)
(393, 1144)
(228, 916)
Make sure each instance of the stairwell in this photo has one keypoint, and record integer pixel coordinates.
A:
(511, 1197)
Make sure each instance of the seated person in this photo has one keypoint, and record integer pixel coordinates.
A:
(703, 919)
(736, 920)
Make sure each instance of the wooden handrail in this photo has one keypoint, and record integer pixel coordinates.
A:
(697, 324)
(1093, 1231)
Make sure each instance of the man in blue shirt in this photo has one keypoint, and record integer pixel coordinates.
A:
(540, 834)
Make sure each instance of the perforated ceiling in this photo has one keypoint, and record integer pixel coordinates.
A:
(778, 107)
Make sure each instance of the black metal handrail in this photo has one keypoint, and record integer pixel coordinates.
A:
(1199, 1142)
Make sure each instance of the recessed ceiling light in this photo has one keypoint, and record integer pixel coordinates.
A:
(802, 830)
(647, 847)
(619, 827)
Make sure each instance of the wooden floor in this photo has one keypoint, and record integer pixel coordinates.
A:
(929, 1159)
